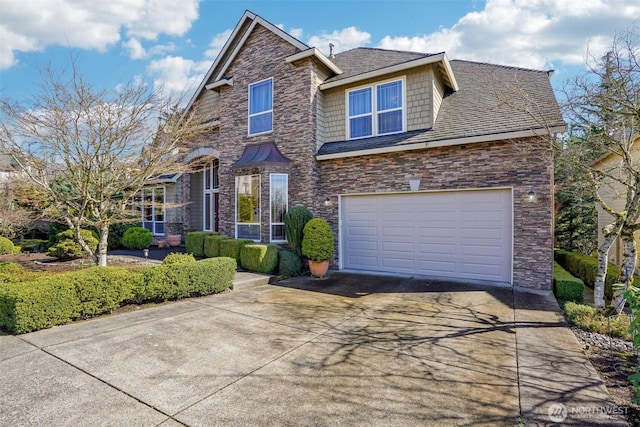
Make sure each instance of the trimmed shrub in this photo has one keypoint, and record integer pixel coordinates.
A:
(260, 258)
(102, 289)
(290, 264)
(585, 267)
(588, 318)
(137, 238)
(42, 303)
(58, 299)
(294, 221)
(175, 281)
(7, 246)
(116, 233)
(231, 247)
(12, 272)
(317, 243)
(212, 245)
(194, 242)
(33, 245)
(67, 248)
(178, 258)
(565, 286)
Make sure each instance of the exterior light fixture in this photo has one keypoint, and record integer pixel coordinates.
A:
(531, 195)
(327, 201)
(146, 252)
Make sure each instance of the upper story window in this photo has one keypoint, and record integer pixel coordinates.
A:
(261, 107)
(376, 110)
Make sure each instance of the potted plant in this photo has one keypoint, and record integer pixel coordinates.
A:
(317, 246)
(174, 240)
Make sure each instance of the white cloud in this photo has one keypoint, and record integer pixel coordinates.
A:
(297, 33)
(31, 25)
(137, 51)
(527, 33)
(177, 76)
(342, 40)
(216, 44)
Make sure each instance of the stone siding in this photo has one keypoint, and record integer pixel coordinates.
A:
(486, 165)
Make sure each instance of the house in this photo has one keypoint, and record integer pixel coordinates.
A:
(416, 161)
(614, 194)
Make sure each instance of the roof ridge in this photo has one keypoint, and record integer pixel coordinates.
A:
(389, 50)
(513, 67)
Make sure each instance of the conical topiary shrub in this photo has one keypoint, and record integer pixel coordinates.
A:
(294, 221)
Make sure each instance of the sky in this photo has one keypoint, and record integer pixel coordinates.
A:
(172, 43)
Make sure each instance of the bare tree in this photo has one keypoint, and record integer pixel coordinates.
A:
(604, 109)
(91, 150)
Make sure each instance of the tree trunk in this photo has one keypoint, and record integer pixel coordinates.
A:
(610, 233)
(627, 268)
(76, 231)
(103, 244)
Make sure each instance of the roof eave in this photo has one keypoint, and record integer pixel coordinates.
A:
(445, 143)
(432, 59)
(315, 53)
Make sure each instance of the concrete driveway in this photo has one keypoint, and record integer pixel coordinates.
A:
(346, 350)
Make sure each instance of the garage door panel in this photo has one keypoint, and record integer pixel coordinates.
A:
(461, 234)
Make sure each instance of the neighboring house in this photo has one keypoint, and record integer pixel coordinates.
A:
(413, 159)
(8, 167)
(614, 194)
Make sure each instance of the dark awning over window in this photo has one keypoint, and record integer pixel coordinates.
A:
(261, 155)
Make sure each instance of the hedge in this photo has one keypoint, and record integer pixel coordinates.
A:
(61, 298)
(290, 264)
(231, 247)
(212, 245)
(260, 258)
(194, 242)
(585, 267)
(566, 287)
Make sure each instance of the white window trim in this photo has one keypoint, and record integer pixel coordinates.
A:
(153, 208)
(249, 115)
(374, 108)
(286, 193)
(208, 168)
(235, 214)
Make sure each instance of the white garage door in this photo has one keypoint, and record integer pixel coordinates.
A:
(455, 234)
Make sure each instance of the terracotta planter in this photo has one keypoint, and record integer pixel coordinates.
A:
(318, 269)
(161, 244)
(174, 239)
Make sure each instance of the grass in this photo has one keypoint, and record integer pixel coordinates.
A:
(588, 318)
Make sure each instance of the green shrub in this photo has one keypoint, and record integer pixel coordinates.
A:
(565, 286)
(588, 318)
(67, 248)
(231, 247)
(175, 281)
(212, 245)
(116, 233)
(290, 264)
(585, 267)
(42, 303)
(294, 221)
(317, 243)
(33, 245)
(12, 272)
(102, 289)
(194, 242)
(178, 258)
(137, 238)
(260, 258)
(7, 246)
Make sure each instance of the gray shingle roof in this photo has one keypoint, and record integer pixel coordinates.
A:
(492, 99)
(362, 60)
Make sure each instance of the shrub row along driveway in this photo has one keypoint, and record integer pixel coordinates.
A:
(347, 350)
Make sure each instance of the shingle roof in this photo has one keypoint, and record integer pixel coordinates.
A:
(492, 99)
(361, 60)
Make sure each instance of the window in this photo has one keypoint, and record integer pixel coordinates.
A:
(210, 196)
(152, 209)
(248, 207)
(376, 110)
(279, 203)
(261, 107)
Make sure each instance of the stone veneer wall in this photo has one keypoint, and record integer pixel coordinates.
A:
(293, 123)
(486, 165)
